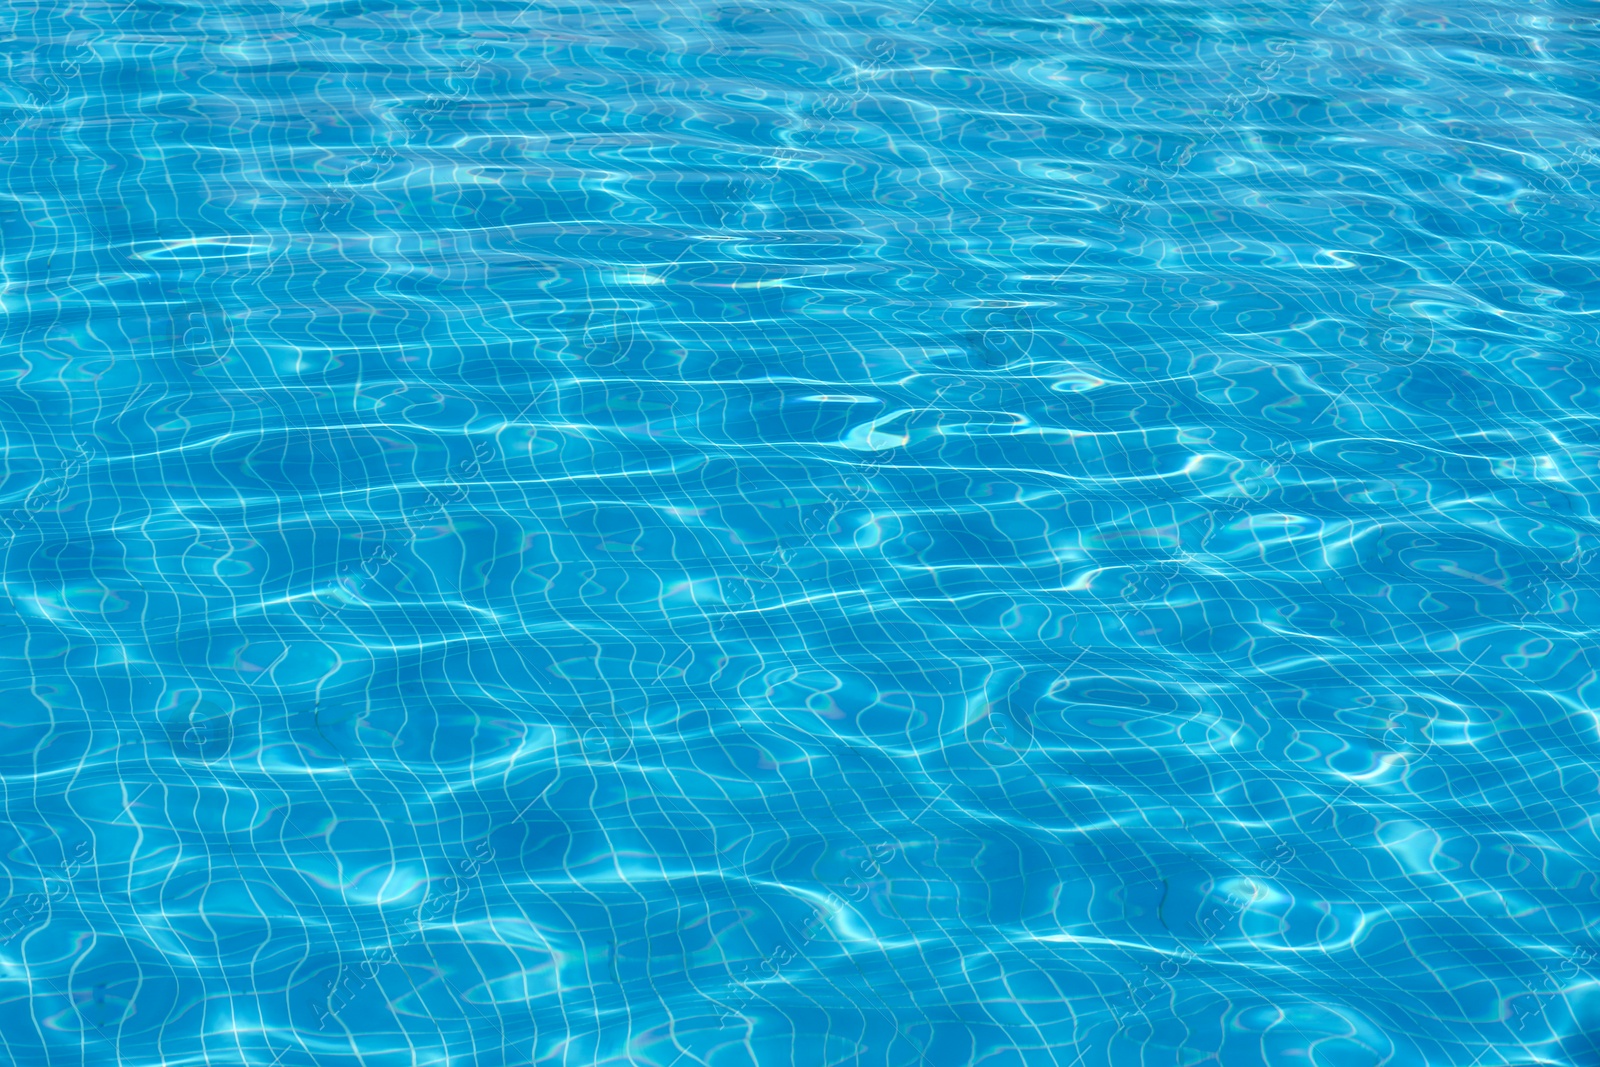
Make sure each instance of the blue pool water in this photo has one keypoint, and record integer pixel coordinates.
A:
(949, 533)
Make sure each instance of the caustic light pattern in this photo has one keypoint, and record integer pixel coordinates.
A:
(965, 532)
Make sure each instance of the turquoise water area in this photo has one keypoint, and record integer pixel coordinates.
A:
(949, 533)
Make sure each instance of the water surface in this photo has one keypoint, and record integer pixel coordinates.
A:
(950, 533)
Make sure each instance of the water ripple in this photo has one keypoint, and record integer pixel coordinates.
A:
(984, 531)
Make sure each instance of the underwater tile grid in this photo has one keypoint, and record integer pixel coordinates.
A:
(965, 532)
